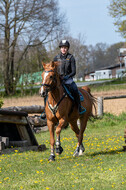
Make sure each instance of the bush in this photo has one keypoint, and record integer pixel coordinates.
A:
(1, 102)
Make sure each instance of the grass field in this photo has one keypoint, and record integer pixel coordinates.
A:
(102, 167)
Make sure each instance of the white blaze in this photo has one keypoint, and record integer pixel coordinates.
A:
(45, 75)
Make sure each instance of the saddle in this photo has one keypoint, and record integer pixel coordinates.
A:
(66, 89)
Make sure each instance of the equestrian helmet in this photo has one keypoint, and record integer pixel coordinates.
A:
(64, 43)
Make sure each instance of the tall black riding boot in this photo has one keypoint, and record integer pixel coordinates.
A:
(43, 115)
(75, 93)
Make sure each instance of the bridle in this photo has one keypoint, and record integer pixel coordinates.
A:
(50, 87)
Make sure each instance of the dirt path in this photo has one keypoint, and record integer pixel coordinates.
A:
(24, 101)
(115, 106)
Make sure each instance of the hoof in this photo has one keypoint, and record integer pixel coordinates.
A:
(51, 158)
(81, 150)
(59, 150)
(76, 152)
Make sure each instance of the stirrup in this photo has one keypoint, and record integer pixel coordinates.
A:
(83, 110)
(43, 115)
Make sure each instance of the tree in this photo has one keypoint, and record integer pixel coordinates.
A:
(32, 62)
(80, 52)
(112, 53)
(25, 20)
(101, 56)
(97, 56)
(117, 9)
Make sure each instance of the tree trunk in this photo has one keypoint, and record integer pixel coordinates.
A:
(8, 57)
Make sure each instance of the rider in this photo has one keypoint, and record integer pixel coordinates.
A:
(67, 70)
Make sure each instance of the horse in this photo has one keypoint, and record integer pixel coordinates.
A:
(60, 109)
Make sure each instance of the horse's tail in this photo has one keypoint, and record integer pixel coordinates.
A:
(93, 101)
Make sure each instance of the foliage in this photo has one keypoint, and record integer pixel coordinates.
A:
(25, 24)
(101, 167)
(1, 102)
(117, 10)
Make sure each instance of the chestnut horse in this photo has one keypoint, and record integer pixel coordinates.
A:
(59, 109)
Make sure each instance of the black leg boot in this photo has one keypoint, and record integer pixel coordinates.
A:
(43, 115)
(75, 93)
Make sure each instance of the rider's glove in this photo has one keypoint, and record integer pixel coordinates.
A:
(65, 78)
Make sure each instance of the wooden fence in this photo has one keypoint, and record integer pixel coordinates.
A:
(100, 103)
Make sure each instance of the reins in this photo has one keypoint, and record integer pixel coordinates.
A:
(55, 108)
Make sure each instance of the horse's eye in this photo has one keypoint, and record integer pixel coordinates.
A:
(51, 77)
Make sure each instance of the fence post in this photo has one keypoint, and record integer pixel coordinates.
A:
(100, 106)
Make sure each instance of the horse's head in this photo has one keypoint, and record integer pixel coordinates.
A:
(49, 78)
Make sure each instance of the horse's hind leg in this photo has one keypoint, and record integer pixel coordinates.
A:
(80, 148)
(74, 127)
(83, 124)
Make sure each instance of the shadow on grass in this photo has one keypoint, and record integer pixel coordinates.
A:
(24, 149)
(109, 152)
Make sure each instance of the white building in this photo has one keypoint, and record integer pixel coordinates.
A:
(103, 74)
(99, 74)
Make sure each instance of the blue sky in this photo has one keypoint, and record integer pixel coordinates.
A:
(90, 18)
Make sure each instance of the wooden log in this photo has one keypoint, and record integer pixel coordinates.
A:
(12, 119)
(114, 97)
(11, 112)
(28, 109)
(41, 129)
(37, 121)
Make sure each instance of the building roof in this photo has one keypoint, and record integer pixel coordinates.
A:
(107, 67)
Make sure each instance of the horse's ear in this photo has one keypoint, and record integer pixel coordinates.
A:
(43, 64)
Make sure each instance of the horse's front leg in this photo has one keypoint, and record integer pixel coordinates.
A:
(52, 140)
(59, 149)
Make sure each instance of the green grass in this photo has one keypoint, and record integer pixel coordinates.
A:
(116, 84)
(107, 87)
(102, 167)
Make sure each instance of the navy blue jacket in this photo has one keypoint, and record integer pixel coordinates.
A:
(68, 65)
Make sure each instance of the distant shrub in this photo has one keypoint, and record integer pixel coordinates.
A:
(1, 102)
